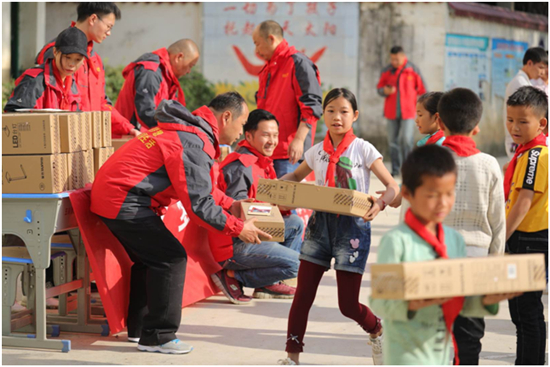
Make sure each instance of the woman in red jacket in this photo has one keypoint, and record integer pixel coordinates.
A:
(52, 84)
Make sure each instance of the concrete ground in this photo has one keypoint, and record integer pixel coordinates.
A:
(227, 334)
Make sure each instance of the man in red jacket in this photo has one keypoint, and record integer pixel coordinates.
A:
(152, 78)
(262, 266)
(169, 162)
(96, 20)
(401, 84)
(289, 88)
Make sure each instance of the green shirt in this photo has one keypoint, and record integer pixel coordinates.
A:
(419, 337)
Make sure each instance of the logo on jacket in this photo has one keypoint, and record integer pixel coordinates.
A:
(145, 90)
(285, 75)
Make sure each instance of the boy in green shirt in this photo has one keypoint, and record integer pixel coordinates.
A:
(419, 332)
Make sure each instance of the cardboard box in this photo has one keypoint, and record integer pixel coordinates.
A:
(86, 123)
(71, 132)
(323, 199)
(118, 143)
(97, 129)
(34, 174)
(80, 169)
(458, 277)
(272, 223)
(74, 180)
(88, 173)
(106, 132)
(100, 157)
(30, 133)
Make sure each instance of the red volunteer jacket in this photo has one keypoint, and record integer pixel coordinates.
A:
(238, 177)
(90, 78)
(148, 81)
(409, 84)
(169, 162)
(290, 88)
(41, 87)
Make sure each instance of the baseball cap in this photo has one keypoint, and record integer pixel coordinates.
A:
(72, 41)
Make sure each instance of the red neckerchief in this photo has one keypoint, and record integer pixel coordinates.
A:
(451, 308)
(264, 162)
(175, 86)
(463, 146)
(63, 86)
(435, 137)
(334, 156)
(539, 140)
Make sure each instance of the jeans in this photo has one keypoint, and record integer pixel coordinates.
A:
(527, 310)
(468, 332)
(157, 278)
(283, 166)
(400, 141)
(294, 230)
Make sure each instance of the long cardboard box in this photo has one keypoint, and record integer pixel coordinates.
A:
(86, 123)
(324, 199)
(272, 223)
(458, 277)
(71, 132)
(30, 133)
(80, 169)
(97, 129)
(34, 174)
(100, 157)
(106, 132)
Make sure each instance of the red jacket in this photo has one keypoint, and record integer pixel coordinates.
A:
(41, 87)
(169, 162)
(411, 86)
(238, 177)
(148, 81)
(290, 88)
(90, 78)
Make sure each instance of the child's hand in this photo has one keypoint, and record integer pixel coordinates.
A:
(396, 203)
(491, 299)
(373, 211)
(421, 303)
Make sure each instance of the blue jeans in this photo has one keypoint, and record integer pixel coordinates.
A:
(400, 141)
(294, 229)
(283, 166)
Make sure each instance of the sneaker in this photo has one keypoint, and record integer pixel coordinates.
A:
(376, 344)
(279, 290)
(286, 361)
(175, 346)
(231, 287)
(133, 339)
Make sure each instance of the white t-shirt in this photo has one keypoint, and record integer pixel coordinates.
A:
(520, 80)
(353, 169)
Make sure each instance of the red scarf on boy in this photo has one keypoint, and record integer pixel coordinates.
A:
(264, 162)
(539, 140)
(451, 308)
(334, 156)
(463, 146)
(435, 137)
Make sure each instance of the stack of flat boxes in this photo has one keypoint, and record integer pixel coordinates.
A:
(52, 152)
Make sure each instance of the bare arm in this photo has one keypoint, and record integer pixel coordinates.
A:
(299, 174)
(519, 211)
(392, 189)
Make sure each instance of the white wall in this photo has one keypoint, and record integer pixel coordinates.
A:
(144, 27)
(32, 23)
(6, 41)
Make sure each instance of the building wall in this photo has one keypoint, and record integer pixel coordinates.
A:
(6, 41)
(144, 27)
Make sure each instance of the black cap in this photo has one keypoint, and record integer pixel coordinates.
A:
(72, 41)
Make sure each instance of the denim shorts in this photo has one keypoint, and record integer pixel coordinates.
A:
(342, 237)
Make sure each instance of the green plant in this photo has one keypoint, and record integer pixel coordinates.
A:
(198, 91)
(7, 88)
(113, 81)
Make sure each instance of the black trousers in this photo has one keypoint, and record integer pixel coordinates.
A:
(527, 310)
(468, 332)
(157, 278)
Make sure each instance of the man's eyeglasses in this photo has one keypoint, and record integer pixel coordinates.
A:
(109, 26)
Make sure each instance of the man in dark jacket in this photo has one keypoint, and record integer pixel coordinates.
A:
(290, 88)
(152, 78)
(401, 84)
(169, 162)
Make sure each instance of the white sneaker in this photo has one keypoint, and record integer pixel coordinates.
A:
(286, 361)
(133, 340)
(175, 346)
(376, 344)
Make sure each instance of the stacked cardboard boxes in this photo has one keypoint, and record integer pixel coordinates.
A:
(51, 152)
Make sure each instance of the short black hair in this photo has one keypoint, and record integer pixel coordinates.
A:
(231, 101)
(268, 27)
(396, 49)
(430, 101)
(340, 92)
(529, 96)
(84, 10)
(460, 109)
(428, 160)
(536, 55)
(257, 116)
